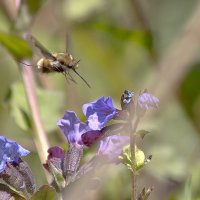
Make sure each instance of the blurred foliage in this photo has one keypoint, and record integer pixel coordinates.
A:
(189, 93)
(50, 103)
(33, 6)
(17, 46)
(116, 53)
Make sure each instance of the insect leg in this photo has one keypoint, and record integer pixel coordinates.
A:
(71, 78)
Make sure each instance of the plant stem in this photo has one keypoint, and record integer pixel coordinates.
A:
(40, 137)
(133, 126)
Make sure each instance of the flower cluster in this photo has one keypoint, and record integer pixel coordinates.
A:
(112, 140)
(65, 166)
(99, 113)
(81, 134)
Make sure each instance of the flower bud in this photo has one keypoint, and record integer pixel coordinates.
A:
(126, 99)
(72, 160)
(145, 101)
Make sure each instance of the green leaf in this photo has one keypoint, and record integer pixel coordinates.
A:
(46, 192)
(50, 103)
(10, 190)
(58, 176)
(17, 47)
(19, 106)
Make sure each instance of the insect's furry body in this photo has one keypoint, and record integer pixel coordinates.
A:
(63, 62)
(57, 62)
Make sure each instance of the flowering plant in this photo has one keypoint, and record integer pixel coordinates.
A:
(114, 142)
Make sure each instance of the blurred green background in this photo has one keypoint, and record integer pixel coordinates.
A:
(130, 44)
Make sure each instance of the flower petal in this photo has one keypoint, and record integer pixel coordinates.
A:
(72, 127)
(56, 152)
(10, 151)
(99, 112)
(112, 146)
(90, 137)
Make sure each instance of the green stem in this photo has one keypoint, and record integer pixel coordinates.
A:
(133, 127)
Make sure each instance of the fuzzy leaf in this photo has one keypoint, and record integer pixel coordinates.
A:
(17, 47)
(46, 192)
(57, 175)
(48, 107)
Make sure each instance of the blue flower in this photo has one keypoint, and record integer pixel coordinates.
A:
(99, 112)
(77, 132)
(112, 146)
(10, 151)
(72, 127)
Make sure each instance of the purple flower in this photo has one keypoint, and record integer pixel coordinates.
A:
(90, 137)
(55, 157)
(112, 146)
(56, 152)
(146, 100)
(99, 112)
(11, 152)
(72, 127)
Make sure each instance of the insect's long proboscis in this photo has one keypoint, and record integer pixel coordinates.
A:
(81, 78)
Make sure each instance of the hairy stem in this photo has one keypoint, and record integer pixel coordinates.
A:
(40, 137)
(133, 128)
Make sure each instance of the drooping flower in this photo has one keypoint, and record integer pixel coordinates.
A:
(146, 100)
(55, 157)
(112, 147)
(99, 112)
(10, 152)
(56, 152)
(54, 165)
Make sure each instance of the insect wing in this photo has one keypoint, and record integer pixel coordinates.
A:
(43, 50)
(67, 43)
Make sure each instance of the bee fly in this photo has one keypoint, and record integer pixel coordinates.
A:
(57, 62)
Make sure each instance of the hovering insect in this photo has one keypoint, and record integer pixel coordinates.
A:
(57, 62)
